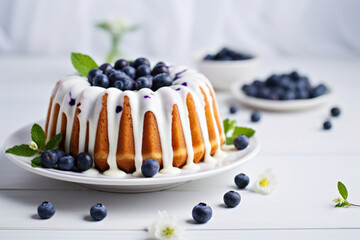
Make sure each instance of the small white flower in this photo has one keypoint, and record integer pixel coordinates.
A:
(33, 145)
(338, 200)
(116, 26)
(165, 227)
(266, 182)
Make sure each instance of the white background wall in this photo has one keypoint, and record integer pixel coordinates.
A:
(174, 30)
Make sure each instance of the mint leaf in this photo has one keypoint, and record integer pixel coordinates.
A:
(342, 190)
(22, 150)
(83, 63)
(54, 142)
(249, 132)
(38, 135)
(229, 141)
(36, 162)
(228, 125)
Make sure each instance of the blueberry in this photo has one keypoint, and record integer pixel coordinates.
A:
(130, 71)
(273, 80)
(142, 71)
(98, 212)
(232, 199)
(119, 85)
(294, 75)
(115, 76)
(66, 162)
(110, 71)
(241, 180)
(302, 94)
(60, 153)
(92, 73)
(84, 161)
(46, 210)
(327, 125)
(48, 159)
(209, 57)
(101, 80)
(161, 68)
(264, 92)
(142, 82)
(202, 213)
(105, 67)
(141, 61)
(335, 111)
(160, 63)
(250, 90)
(150, 167)
(318, 91)
(288, 95)
(255, 116)
(233, 109)
(241, 142)
(161, 80)
(120, 64)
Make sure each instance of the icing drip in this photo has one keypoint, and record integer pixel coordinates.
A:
(160, 103)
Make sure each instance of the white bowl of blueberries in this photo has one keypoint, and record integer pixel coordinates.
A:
(225, 66)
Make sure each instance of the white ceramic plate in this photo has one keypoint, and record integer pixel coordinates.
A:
(130, 183)
(276, 105)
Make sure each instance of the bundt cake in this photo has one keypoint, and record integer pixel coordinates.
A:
(178, 125)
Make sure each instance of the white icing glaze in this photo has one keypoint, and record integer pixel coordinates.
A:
(160, 103)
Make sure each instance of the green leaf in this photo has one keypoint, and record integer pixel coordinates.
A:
(83, 63)
(38, 135)
(229, 141)
(54, 142)
(344, 204)
(249, 132)
(228, 125)
(36, 162)
(22, 150)
(342, 190)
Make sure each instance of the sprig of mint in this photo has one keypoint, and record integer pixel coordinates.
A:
(83, 63)
(35, 148)
(342, 201)
(231, 125)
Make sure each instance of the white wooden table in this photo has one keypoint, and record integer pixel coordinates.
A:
(307, 160)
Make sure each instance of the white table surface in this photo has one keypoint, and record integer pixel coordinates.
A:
(307, 160)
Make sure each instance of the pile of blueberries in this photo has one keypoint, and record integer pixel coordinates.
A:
(284, 87)
(53, 158)
(226, 54)
(134, 75)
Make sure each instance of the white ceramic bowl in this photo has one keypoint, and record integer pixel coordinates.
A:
(223, 74)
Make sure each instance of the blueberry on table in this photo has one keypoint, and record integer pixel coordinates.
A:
(161, 80)
(142, 82)
(233, 109)
(142, 71)
(232, 199)
(120, 64)
(141, 61)
(48, 159)
(105, 67)
(66, 162)
(202, 213)
(335, 111)
(101, 80)
(241, 180)
(255, 116)
(130, 71)
(150, 167)
(98, 212)
(92, 73)
(46, 210)
(327, 125)
(84, 161)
